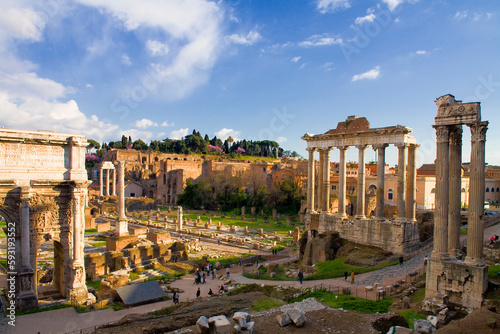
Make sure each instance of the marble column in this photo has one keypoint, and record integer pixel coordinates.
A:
(179, 217)
(25, 233)
(379, 210)
(108, 192)
(78, 223)
(319, 205)
(440, 251)
(310, 181)
(455, 192)
(411, 184)
(401, 182)
(360, 214)
(114, 182)
(326, 180)
(101, 183)
(121, 222)
(476, 204)
(342, 182)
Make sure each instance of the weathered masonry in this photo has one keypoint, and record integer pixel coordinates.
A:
(43, 191)
(462, 282)
(399, 235)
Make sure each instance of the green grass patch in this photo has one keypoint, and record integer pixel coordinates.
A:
(463, 231)
(418, 296)
(337, 267)
(266, 303)
(91, 230)
(493, 271)
(133, 275)
(347, 302)
(94, 284)
(43, 309)
(3, 262)
(98, 244)
(410, 316)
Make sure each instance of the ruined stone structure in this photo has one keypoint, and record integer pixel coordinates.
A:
(398, 236)
(43, 192)
(107, 166)
(463, 282)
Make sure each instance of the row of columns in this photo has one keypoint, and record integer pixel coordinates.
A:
(109, 191)
(448, 185)
(406, 190)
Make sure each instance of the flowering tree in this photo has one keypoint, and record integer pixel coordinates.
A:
(240, 150)
(129, 146)
(92, 158)
(214, 148)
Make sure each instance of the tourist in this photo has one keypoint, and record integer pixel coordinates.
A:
(300, 276)
(204, 278)
(198, 293)
(345, 275)
(210, 293)
(240, 262)
(175, 297)
(222, 288)
(352, 277)
(401, 260)
(227, 271)
(257, 263)
(425, 260)
(218, 242)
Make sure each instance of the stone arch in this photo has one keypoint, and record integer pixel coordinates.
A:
(372, 189)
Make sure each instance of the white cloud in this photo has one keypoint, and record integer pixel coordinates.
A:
(224, 133)
(327, 66)
(421, 52)
(251, 38)
(280, 140)
(178, 134)
(368, 18)
(397, 20)
(369, 75)
(126, 60)
(145, 123)
(296, 59)
(320, 40)
(89, 86)
(393, 4)
(330, 6)
(156, 48)
(165, 124)
(21, 23)
(460, 15)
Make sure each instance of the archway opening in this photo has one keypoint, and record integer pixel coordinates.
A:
(49, 270)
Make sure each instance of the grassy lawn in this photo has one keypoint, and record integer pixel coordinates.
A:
(133, 275)
(410, 317)
(493, 271)
(91, 230)
(418, 296)
(2, 233)
(463, 231)
(336, 268)
(95, 284)
(266, 303)
(98, 244)
(347, 302)
(38, 310)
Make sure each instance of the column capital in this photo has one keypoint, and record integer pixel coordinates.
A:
(311, 149)
(442, 133)
(456, 135)
(379, 146)
(402, 145)
(25, 194)
(361, 147)
(326, 149)
(478, 131)
(342, 148)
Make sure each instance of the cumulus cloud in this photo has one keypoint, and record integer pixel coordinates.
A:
(156, 48)
(280, 140)
(367, 18)
(251, 38)
(22, 23)
(178, 134)
(224, 133)
(144, 123)
(165, 124)
(421, 52)
(393, 4)
(295, 59)
(460, 15)
(126, 60)
(320, 40)
(330, 6)
(369, 75)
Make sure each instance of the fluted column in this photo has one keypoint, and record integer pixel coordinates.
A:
(25, 232)
(401, 182)
(360, 214)
(78, 224)
(320, 180)
(411, 184)
(326, 180)
(455, 192)
(379, 210)
(310, 181)
(101, 183)
(476, 203)
(342, 181)
(121, 222)
(108, 192)
(114, 182)
(440, 251)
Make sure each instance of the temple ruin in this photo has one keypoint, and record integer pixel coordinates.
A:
(43, 192)
(399, 235)
(448, 277)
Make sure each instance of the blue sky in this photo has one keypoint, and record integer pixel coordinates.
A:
(250, 69)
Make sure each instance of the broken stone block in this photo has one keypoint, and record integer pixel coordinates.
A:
(202, 325)
(250, 326)
(297, 317)
(284, 319)
(219, 325)
(423, 326)
(433, 320)
(491, 323)
(242, 319)
(400, 330)
(442, 314)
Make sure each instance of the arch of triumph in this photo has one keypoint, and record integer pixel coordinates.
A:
(43, 192)
(399, 235)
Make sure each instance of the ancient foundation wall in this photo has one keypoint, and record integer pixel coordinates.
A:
(391, 236)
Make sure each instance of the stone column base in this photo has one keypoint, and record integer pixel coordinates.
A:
(461, 283)
(78, 295)
(26, 301)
